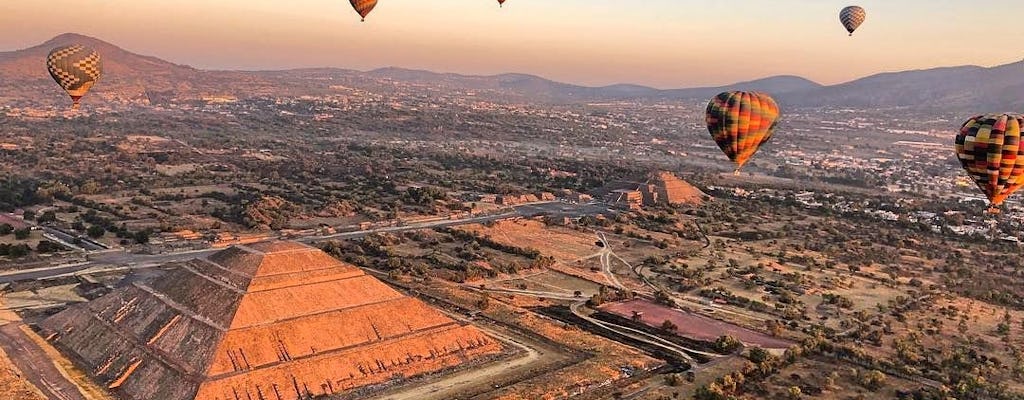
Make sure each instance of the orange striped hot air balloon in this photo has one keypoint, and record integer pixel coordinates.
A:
(740, 122)
(363, 7)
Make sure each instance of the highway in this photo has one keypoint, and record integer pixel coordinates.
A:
(124, 258)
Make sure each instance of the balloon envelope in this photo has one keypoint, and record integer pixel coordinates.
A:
(740, 122)
(76, 69)
(852, 17)
(989, 149)
(363, 7)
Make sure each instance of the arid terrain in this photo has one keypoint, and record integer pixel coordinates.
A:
(507, 241)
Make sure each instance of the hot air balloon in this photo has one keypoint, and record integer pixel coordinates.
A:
(989, 148)
(76, 68)
(740, 122)
(501, 3)
(852, 17)
(363, 7)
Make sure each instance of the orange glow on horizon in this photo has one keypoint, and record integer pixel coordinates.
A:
(664, 43)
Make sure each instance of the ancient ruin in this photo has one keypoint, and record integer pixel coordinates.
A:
(658, 188)
(664, 187)
(270, 321)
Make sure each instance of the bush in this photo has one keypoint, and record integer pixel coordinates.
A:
(22, 234)
(47, 246)
(96, 231)
(726, 344)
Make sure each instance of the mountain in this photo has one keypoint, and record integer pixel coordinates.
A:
(995, 89)
(774, 85)
(516, 84)
(132, 79)
(128, 78)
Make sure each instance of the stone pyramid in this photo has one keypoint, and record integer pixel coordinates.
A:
(664, 187)
(266, 321)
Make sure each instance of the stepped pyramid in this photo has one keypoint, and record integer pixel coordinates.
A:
(657, 188)
(663, 187)
(270, 321)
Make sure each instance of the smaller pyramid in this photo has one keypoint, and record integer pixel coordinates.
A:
(663, 187)
(272, 321)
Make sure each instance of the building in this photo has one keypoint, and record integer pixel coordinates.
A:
(628, 199)
(271, 320)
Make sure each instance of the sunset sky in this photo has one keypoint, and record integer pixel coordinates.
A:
(661, 43)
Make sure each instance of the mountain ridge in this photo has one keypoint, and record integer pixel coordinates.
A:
(131, 77)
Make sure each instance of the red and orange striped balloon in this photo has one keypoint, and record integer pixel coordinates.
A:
(363, 7)
(740, 122)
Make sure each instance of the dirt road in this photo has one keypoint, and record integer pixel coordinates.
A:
(469, 381)
(36, 365)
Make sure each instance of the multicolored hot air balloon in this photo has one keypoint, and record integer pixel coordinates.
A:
(852, 17)
(76, 68)
(363, 7)
(989, 148)
(740, 122)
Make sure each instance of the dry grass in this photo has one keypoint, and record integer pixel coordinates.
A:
(565, 245)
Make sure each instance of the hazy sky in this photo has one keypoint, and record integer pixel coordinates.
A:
(662, 43)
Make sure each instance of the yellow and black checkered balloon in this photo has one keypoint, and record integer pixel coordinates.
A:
(989, 148)
(76, 68)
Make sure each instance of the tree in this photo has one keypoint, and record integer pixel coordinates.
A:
(710, 392)
(873, 380)
(49, 216)
(673, 380)
(29, 215)
(46, 246)
(759, 355)
(794, 393)
(726, 344)
(142, 237)
(22, 234)
(18, 251)
(669, 326)
(6, 229)
(662, 297)
(485, 301)
(96, 231)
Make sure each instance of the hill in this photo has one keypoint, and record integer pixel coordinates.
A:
(969, 87)
(128, 78)
(775, 85)
(133, 79)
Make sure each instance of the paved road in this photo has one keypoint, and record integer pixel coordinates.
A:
(68, 239)
(115, 257)
(36, 365)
